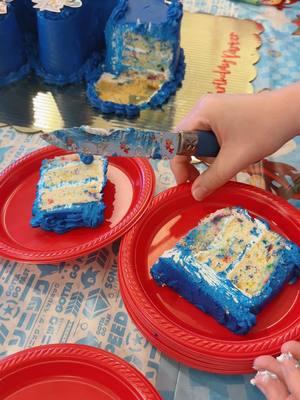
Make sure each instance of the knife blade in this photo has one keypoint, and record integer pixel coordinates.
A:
(132, 142)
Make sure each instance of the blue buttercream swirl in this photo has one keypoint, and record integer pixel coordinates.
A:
(87, 158)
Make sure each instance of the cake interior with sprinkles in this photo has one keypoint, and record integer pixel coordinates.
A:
(70, 193)
(230, 266)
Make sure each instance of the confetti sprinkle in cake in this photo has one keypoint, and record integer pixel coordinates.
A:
(229, 266)
(69, 194)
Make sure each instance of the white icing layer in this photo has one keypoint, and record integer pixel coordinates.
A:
(67, 182)
(231, 245)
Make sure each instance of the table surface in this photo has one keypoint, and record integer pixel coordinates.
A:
(70, 302)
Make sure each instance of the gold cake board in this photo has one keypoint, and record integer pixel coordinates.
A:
(220, 53)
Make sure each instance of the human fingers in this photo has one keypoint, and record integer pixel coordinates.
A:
(291, 373)
(197, 119)
(268, 363)
(183, 170)
(225, 166)
(292, 347)
(286, 367)
(270, 385)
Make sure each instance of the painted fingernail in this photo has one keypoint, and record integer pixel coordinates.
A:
(284, 357)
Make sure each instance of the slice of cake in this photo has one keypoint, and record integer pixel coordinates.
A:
(144, 64)
(69, 194)
(229, 266)
(13, 58)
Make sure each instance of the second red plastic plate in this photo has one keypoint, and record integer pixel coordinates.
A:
(170, 321)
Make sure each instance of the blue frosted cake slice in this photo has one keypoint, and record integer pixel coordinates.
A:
(70, 194)
(229, 266)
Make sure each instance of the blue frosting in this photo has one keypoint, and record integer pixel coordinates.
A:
(26, 16)
(63, 47)
(63, 219)
(59, 221)
(13, 58)
(70, 43)
(66, 43)
(165, 26)
(150, 19)
(223, 301)
(145, 11)
(87, 158)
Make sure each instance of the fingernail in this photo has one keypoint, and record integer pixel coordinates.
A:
(252, 381)
(199, 192)
(255, 367)
(266, 375)
(284, 357)
(288, 361)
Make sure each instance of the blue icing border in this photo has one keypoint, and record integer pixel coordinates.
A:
(131, 110)
(193, 289)
(61, 219)
(86, 215)
(15, 76)
(215, 300)
(84, 73)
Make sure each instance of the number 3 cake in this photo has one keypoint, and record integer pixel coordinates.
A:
(69, 194)
(229, 266)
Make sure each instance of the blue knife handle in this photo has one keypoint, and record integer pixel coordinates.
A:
(207, 145)
(199, 144)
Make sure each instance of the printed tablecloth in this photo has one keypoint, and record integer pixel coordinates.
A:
(79, 301)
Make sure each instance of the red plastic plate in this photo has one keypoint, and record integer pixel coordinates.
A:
(170, 322)
(127, 194)
(74, 372)
(202, 362)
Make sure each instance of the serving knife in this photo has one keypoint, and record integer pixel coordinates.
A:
(133, 142)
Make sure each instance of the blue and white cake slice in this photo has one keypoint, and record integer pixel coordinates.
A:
(229, 266)
(70, 194)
